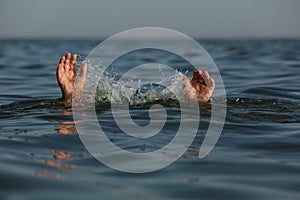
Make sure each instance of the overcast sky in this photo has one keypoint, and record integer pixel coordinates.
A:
(197, 18)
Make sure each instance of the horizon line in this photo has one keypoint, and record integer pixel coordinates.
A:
(155, 38)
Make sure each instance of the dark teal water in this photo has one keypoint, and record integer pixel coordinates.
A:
(256, 157)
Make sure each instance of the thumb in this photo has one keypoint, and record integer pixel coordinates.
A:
(83, 71)
(188, 88)
(186, 80)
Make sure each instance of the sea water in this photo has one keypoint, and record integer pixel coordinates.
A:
(256, 157)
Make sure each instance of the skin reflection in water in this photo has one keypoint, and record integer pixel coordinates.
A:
(48, 175)
(67, 127)
(58, 155)
(61, 155)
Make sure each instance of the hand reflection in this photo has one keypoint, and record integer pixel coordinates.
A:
(58, 155)
(67, 126)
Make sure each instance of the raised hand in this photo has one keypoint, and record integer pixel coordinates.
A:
(201, 88)
(66, 76)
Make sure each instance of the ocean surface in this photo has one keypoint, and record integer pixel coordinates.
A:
(256, 157)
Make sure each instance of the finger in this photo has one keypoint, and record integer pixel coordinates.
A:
(60, 67)
(206, 77)
(73, 62)
(188, 89)
(74, 57)
(211, 84)
(209, 80)
(67, 64)
(62, 60)
(206, 74)
(197, 74)
(187, 81)
(68, 56)
(83, 71)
